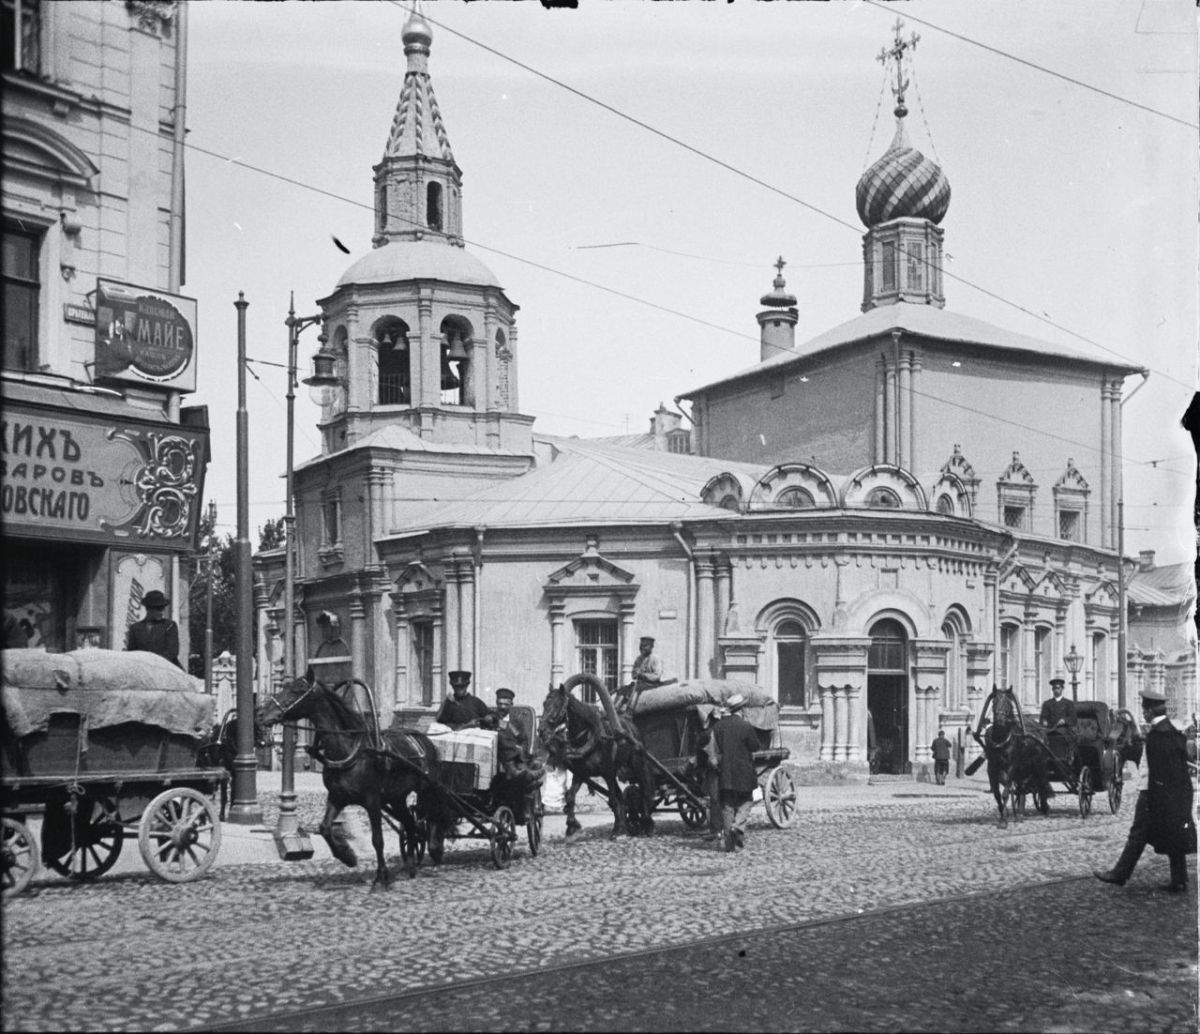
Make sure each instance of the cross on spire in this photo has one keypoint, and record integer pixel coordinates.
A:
(779, 264)
(896, 52)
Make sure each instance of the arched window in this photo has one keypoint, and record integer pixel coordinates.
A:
(883, 499)
(1100, 666)
(433, 206)
(887, 650)
(955, 692)
(1041, 657)
(456, 385)
(1010, 658)
(391, 346)
(945, 504)
(795, 499)
(789, 664)
(729, 502)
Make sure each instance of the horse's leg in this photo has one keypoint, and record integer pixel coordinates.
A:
(573, 825)
(996, 785)
(375, 813)
(339, 847)
(617, 802)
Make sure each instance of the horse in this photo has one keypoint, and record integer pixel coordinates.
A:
(591, 748)
(1015, 747)
(360, 765)
(219, 748)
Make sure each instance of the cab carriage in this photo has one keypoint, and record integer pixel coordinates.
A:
(102, 746)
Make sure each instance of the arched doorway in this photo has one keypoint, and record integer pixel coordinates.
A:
(887, 695)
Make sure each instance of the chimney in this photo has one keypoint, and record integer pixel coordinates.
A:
(661, 424)
(1146, 560)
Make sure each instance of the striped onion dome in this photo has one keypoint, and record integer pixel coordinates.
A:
(902, 183)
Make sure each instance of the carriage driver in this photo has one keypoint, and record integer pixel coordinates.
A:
(1058, 719)
(512, 749)
(463, 709)
(647, 674)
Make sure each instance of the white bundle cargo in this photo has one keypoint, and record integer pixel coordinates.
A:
(705, 695)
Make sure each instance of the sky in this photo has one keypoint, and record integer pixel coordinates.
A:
(637, 253)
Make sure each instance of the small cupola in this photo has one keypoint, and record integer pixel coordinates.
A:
(777, 322)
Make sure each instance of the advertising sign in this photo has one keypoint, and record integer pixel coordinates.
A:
(145, 336)
(89, 478)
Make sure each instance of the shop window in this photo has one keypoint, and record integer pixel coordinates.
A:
(21, 250)
(789, 666)
(596, 652)
(20, 31)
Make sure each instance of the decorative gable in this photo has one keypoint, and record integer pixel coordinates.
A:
(1018, 581)
(590, 572)
(1104, 595)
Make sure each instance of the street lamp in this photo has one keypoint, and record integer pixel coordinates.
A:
(1074, 662)
(293, 844)
(208, 629)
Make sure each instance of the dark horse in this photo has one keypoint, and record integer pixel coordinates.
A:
(594, 747)
(219, 748)
(361, 765)
(1015, 747)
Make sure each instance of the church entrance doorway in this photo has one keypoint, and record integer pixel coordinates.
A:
(887, 698)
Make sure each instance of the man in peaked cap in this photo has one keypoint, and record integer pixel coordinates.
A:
(512, 746)
(155, 633)
(647, 673)
(1058, 718)
(1163, 816)
(463, 709)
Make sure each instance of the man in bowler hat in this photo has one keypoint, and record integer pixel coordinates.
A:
(155, 633)
(1163, 816)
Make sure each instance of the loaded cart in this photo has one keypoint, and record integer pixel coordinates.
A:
(102, 745)
(671, 720)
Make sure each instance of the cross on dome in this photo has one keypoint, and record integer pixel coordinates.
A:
(896, 53)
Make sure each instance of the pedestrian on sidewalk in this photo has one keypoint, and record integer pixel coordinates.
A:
(736, 743)
(940, 749)
(1163, 816)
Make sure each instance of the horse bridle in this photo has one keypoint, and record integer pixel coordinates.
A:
(321, 756)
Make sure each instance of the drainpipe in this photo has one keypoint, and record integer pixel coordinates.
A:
(479, 530)
(690, 657)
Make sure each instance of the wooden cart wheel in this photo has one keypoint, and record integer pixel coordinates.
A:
(18, 857)
(94, 846)
(1116, 785)
(503, 837)
(779, 797)
(694, 816)
(179, 835)
(1085, 792)
(533, 820)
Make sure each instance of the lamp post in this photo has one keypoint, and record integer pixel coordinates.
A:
(244, 808)
(1074, 662)
(208, 629)
(292, 843)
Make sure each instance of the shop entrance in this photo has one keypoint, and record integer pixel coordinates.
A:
(887, 698)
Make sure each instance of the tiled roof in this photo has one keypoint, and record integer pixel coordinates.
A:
(925, 320)
(592, 483)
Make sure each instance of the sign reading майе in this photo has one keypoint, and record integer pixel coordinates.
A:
(74, 476)
(145, 336)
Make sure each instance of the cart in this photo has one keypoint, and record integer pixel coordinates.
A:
(670, 722)
(103, 747)
(1105, 739)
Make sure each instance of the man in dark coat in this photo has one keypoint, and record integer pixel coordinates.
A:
(463, 709)
(512, 747)
(1163, 817)
(1058, 719)
(155, 633)
(940, 749)
(736, 743)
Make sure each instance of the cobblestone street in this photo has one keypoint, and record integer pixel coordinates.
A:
(898, 906)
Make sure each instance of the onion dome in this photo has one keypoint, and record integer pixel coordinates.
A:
(416, 32)
(778, 298)
(901, 184)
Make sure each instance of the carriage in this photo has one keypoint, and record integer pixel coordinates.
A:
(1106, 738)
(104, 746)
(483, 801)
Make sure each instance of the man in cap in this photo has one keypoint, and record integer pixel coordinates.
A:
(462, 709)
(1163, 816)
(155, 633)
(512, 746)
(940, 749)
(647, 674)
(736, 743)
(1058, 718)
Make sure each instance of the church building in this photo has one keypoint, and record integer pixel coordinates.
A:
(876, 525)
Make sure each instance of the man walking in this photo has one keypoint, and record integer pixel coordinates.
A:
(155, 633)
(1163, 816)
(736, 743)
(940, 748)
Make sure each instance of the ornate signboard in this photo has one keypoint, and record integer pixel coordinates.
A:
(145, 336)
(95, 479)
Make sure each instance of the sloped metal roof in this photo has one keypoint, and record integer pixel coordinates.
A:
(588, 483)
(393, 436)
(927, 321)
(1168, 586)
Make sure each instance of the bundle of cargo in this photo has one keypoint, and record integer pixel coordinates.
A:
(93, 711)
(706, 695)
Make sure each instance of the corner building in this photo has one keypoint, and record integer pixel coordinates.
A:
(877, 524)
